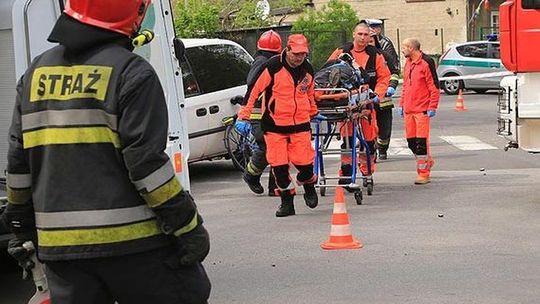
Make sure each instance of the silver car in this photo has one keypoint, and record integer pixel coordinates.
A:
(475, 57)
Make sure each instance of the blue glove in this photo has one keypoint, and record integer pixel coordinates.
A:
(375, 99)
(390, 92)
(400, 110)
(243, 127)
(431, 114)
(318, 118)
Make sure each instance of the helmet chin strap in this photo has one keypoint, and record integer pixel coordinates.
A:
(142, 38)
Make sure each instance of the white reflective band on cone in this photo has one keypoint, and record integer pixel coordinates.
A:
(339, 208)
(340, 230)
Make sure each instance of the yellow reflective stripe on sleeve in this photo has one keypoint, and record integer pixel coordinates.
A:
(163, 193)
(95, 236)
(62, 136)
(19, 196)
(70, 82)
(187, 228)
(394, 77)
(255, 116)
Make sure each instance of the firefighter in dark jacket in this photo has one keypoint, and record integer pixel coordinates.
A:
(384, 108)
(288, 106)
(268, 45)
(87, 176)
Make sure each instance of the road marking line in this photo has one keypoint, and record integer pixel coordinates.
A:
(467, 143)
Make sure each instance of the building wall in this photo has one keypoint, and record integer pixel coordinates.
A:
(423, 19)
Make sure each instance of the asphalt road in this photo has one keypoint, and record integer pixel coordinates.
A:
(471, 236)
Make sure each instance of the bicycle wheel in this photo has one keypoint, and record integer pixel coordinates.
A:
(238, 147)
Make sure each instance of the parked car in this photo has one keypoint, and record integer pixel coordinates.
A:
(214, 72)
(475, 57)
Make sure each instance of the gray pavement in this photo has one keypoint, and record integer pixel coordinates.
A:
(484, 249)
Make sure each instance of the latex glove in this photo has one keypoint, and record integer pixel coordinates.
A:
(400, 111)
(375, 99)
(431, 113)
(318, 118)
(390, 92)
(22, 255)
(242, 126)
(193, 246)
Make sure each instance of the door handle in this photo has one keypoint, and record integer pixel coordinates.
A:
(201, 112)
(214, 109)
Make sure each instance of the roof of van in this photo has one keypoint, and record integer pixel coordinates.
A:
(193, 42)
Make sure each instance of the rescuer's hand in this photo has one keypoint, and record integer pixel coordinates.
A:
(194, 246)
(22, 255)
(242, 126)
(431, 113)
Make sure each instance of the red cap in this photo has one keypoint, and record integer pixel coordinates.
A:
(298, 43)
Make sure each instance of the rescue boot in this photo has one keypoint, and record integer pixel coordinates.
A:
(382, 152)
(310, 196)
(272, 185)
(287, 205)
(253, 182)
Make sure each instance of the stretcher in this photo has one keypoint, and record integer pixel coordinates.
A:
(341, 106)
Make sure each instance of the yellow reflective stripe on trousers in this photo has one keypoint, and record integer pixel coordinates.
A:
(18, 196)
(62, 136)
(96, 236)
(187, 228)
(163, 193)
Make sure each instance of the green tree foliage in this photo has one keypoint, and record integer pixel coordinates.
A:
(326, 29)
(204, 18)
(196, 18)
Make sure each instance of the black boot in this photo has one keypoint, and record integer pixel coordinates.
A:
(272, 185)
(287, 204)
(310, 196)
(254, 182)
(346, 170)
(382, 152)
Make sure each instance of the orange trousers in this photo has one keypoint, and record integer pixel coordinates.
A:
(417, 134)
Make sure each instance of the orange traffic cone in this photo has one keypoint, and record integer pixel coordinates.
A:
(340, 233)
(460, 102)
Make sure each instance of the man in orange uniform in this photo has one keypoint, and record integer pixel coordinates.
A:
(370, 59)
(288, 106)
(418, 104)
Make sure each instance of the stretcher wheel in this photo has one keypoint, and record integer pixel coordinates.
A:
(370, 189)
(358, 197)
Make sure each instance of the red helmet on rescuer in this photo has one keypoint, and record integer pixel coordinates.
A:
(269, 41)
(122, 16)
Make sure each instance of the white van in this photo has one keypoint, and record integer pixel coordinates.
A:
(214, 72)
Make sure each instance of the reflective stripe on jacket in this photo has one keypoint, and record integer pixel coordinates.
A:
(87, 149)
(288, 100)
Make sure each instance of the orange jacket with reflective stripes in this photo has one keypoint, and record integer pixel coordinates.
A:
(288, 101)
(420, 90)
(382, 73)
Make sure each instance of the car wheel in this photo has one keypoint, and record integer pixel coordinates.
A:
(480, 91)
(452, 87)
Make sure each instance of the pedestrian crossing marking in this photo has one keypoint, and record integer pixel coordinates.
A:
(399, 146)
(467, 143)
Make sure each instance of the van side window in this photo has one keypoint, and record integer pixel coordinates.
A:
(218, 67)
(191, 88)
(479, 50)
(531, 4)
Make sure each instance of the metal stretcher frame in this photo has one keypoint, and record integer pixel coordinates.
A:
(334, 116)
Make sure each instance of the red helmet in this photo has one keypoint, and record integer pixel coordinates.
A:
(122, 16)
(269, 41)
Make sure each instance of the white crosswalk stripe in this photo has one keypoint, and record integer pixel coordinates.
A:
(399, 146)
(467, 143)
